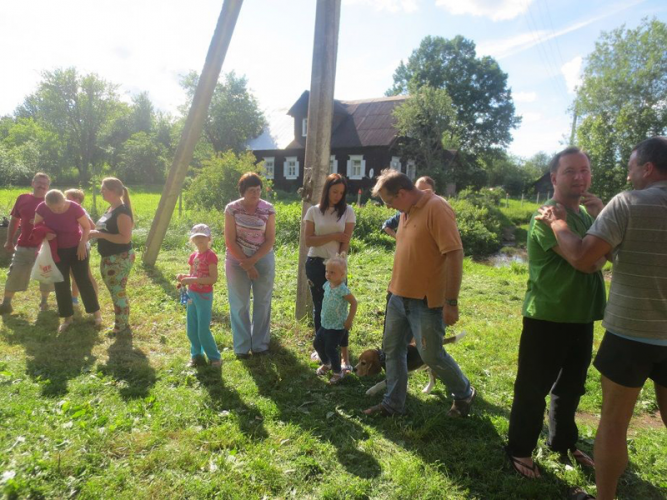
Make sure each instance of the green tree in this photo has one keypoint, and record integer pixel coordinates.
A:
(76, 108)
(234, 116)
(142, 160)
(476, 85)
(215, 184)
(622, 100)
(427, 128)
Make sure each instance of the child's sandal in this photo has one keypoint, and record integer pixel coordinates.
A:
(337, 377)
(323, 370)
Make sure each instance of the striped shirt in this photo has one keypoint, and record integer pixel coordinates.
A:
(634, 223)
(250, 227)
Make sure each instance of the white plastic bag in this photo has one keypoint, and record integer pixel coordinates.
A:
(45, 269)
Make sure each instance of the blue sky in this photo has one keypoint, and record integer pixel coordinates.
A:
(144, 45)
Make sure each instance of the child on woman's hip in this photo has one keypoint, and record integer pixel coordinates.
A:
(338, 310)
(203, 275)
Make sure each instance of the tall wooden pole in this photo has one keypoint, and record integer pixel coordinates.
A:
(193, 127)
(318, 134)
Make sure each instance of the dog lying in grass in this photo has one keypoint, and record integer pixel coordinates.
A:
(372, 362)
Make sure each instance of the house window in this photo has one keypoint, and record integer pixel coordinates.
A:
(269, 164)
(395, 163)
(304, 127)
(356, 167)
(333, 165)
(291, 167)
(411, 169)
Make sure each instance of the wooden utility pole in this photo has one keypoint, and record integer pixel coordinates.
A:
(193, 127)
(318, 133)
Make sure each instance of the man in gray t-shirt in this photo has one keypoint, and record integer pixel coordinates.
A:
(633, 227)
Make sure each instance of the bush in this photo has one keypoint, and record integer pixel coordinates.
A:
(480, 227)
(214, 186)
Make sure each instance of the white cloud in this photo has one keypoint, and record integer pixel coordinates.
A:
(530, 117)
(513, 45)
(496, 10)
(393, 6)
(572, 73)
(524, 96)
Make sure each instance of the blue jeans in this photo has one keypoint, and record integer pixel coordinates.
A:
(199, 326)
(326, 344)
(249, 336)
(412, 317)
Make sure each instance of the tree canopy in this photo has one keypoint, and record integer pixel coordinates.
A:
(622, 99)
(476, 85)
(234, 117)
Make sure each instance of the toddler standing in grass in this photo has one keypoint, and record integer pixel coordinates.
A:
(335, 318)
(203, 274)
(78, 196)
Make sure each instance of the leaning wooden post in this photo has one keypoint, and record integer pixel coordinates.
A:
(193, 127)
(318, 134)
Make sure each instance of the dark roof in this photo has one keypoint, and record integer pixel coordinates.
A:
(363, 123)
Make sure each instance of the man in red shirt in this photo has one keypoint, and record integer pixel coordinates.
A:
(25, 253)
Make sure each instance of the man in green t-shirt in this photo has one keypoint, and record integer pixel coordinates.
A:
(562, 302)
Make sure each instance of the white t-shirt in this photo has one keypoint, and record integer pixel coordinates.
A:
(328, 223)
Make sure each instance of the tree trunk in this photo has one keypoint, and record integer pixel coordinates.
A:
(318, 135)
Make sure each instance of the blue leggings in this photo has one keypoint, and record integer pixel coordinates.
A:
(199, 326)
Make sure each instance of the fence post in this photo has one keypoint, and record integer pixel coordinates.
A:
(538, 198)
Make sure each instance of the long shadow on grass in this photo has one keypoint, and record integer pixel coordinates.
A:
(168, 285)
(129, 365)
(53, 359)
(307, 402)
(227, 401)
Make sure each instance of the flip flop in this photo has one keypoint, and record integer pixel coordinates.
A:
(518, 466)
(378, 409)
(579, 494)
(583, 459)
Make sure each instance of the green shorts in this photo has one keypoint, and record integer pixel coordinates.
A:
(18, 276)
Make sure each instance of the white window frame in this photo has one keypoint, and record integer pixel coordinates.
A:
(286, 173)
(304, 127)
(395, 163)
(362, 167)
(333, 165)
(270, 166)
(411, 169)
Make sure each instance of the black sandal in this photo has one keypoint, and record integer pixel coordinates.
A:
(517, 464)
(579, 494)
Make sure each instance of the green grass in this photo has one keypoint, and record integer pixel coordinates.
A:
(84, 414)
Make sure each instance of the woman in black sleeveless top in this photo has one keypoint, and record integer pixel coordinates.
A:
(114, 234)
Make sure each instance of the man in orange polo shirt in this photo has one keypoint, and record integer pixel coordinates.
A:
(425, 283)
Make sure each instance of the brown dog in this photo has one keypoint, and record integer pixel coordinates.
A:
(372, 362)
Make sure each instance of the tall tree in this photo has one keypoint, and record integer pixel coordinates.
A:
(427, 129)
(234, 116)
(76, 108)
(622, 99)
(476, 85)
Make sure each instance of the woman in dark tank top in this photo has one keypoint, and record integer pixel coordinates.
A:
(114, 234)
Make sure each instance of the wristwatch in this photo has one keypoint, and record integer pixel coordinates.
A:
(452, 302)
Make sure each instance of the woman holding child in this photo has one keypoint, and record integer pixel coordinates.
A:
(114, 234)
(71, 227)
(250, 232)
(329, 227)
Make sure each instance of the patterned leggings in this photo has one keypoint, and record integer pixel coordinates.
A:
(115, 270)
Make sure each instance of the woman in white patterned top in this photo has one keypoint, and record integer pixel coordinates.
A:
(250, 232)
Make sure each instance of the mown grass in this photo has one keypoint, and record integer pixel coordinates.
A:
(84, 414)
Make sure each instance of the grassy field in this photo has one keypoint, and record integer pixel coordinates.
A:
(86, 415)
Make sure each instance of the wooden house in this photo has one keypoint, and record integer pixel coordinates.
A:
(363, 142)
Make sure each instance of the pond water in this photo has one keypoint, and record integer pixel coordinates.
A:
(502, 259)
